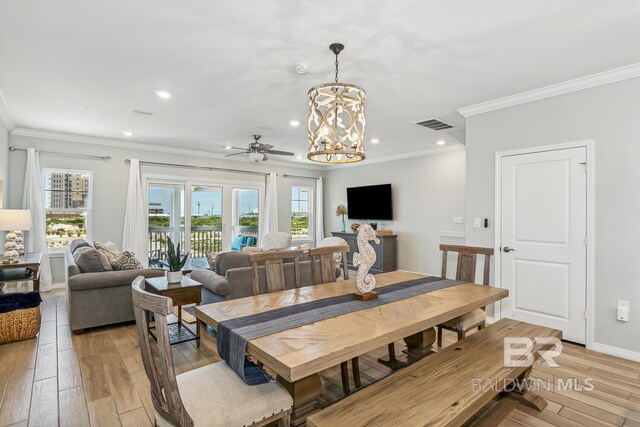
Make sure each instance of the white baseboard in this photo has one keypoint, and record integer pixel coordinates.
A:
(58, 285)
(616, 351)
(490, 320)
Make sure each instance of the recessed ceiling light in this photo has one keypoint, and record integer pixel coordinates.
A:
(302, 68)
(127, 133)
(375, 140)
(294, 123)
(299, 157)
(163, 94)
(227, 147)
(441, 142)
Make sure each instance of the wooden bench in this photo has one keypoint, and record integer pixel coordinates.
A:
(439, 390)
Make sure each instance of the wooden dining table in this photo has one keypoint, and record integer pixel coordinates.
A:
(298, 355)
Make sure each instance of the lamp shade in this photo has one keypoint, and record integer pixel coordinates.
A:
(15, 219)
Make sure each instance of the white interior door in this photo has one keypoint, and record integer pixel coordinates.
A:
(543, 239)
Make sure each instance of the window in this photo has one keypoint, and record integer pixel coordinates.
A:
(301, 212)
(67, 205)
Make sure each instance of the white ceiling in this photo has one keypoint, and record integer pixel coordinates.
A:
(81, 66)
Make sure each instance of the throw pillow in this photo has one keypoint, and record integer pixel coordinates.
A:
(251, 250)
(211, 259)
(126, 261)
(91, 260)
(78, 243)
(108, 249)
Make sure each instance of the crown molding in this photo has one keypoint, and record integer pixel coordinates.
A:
(599, 79)
(4, 114)
(407, 155)
(131, 145)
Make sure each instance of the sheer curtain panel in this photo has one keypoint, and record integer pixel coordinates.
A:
(319, 214)
(271, 205)
(33, 199)
(134, 238)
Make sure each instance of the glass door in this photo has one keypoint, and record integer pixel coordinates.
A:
(246, 217)
(166, 219)
(206, 208)
(218, 214)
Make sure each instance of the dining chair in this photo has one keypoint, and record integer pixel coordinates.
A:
(466, 272)
(340, 257)
(274, 269)
(324, 260)
(212, 395)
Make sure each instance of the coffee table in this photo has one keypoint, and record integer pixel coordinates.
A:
(188, 291)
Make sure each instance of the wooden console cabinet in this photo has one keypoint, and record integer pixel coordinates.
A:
(386, 259)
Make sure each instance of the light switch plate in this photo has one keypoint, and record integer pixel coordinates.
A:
(457, 220)
(477, 222)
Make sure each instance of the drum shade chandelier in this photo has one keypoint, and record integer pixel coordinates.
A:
(336, 123)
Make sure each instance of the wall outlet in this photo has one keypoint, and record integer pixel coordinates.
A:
(457, 220)
(623, 311)
(477, 222)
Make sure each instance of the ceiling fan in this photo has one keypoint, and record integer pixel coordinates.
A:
(258, 152)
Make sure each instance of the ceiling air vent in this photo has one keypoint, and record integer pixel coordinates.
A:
(434, 124)
(144, 113)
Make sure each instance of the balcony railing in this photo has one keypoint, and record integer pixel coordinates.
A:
(203, 239)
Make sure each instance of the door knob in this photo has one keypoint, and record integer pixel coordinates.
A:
(507, 249)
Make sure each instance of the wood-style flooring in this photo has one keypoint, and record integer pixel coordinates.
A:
(97, 379)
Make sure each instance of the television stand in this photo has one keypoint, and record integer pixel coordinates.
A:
(386, 258)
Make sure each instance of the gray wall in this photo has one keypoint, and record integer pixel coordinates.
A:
(4, 161)
(111, 180)
(428, 192)
(4, 173)
(610, 115)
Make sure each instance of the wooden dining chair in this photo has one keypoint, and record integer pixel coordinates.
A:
(274, 269)
(466, 272)
(212, 395)
(324, 258)
(323, 270)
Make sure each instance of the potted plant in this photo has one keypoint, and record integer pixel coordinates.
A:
(341, 210)
(175, 262)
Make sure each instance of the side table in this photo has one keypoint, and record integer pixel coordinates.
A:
(26, 268)
(188, 291)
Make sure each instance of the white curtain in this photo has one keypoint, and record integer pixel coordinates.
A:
(319, 212)
(33, 199)
(134, 238)
(271, 205)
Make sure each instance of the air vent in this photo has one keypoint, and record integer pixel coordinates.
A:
(144, 113)
(434, 124)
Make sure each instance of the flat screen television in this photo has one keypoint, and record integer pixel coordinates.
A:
(370, 202)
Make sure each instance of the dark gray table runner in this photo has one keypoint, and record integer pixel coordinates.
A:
(234, 334)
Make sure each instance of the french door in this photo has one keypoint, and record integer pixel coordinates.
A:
(201, 216)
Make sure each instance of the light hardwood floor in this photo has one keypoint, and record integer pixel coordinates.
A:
(98, 379)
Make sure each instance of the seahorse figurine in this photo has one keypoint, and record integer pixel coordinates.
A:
(365, 258)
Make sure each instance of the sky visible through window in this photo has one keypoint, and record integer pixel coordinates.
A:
(210, 202)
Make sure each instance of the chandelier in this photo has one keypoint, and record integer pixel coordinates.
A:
(336, 121)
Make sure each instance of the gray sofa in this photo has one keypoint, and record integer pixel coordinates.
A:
(100, 298)
(231, 277)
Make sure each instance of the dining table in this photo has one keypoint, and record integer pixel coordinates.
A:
(298, 355)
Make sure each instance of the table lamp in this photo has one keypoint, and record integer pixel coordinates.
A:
(14, 221)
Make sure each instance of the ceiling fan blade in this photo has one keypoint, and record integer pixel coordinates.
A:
(238, 148)
(265, 157)
(266, 146)
(235, 154)
(280, 153)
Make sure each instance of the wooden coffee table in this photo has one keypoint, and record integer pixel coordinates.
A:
(188, 291)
